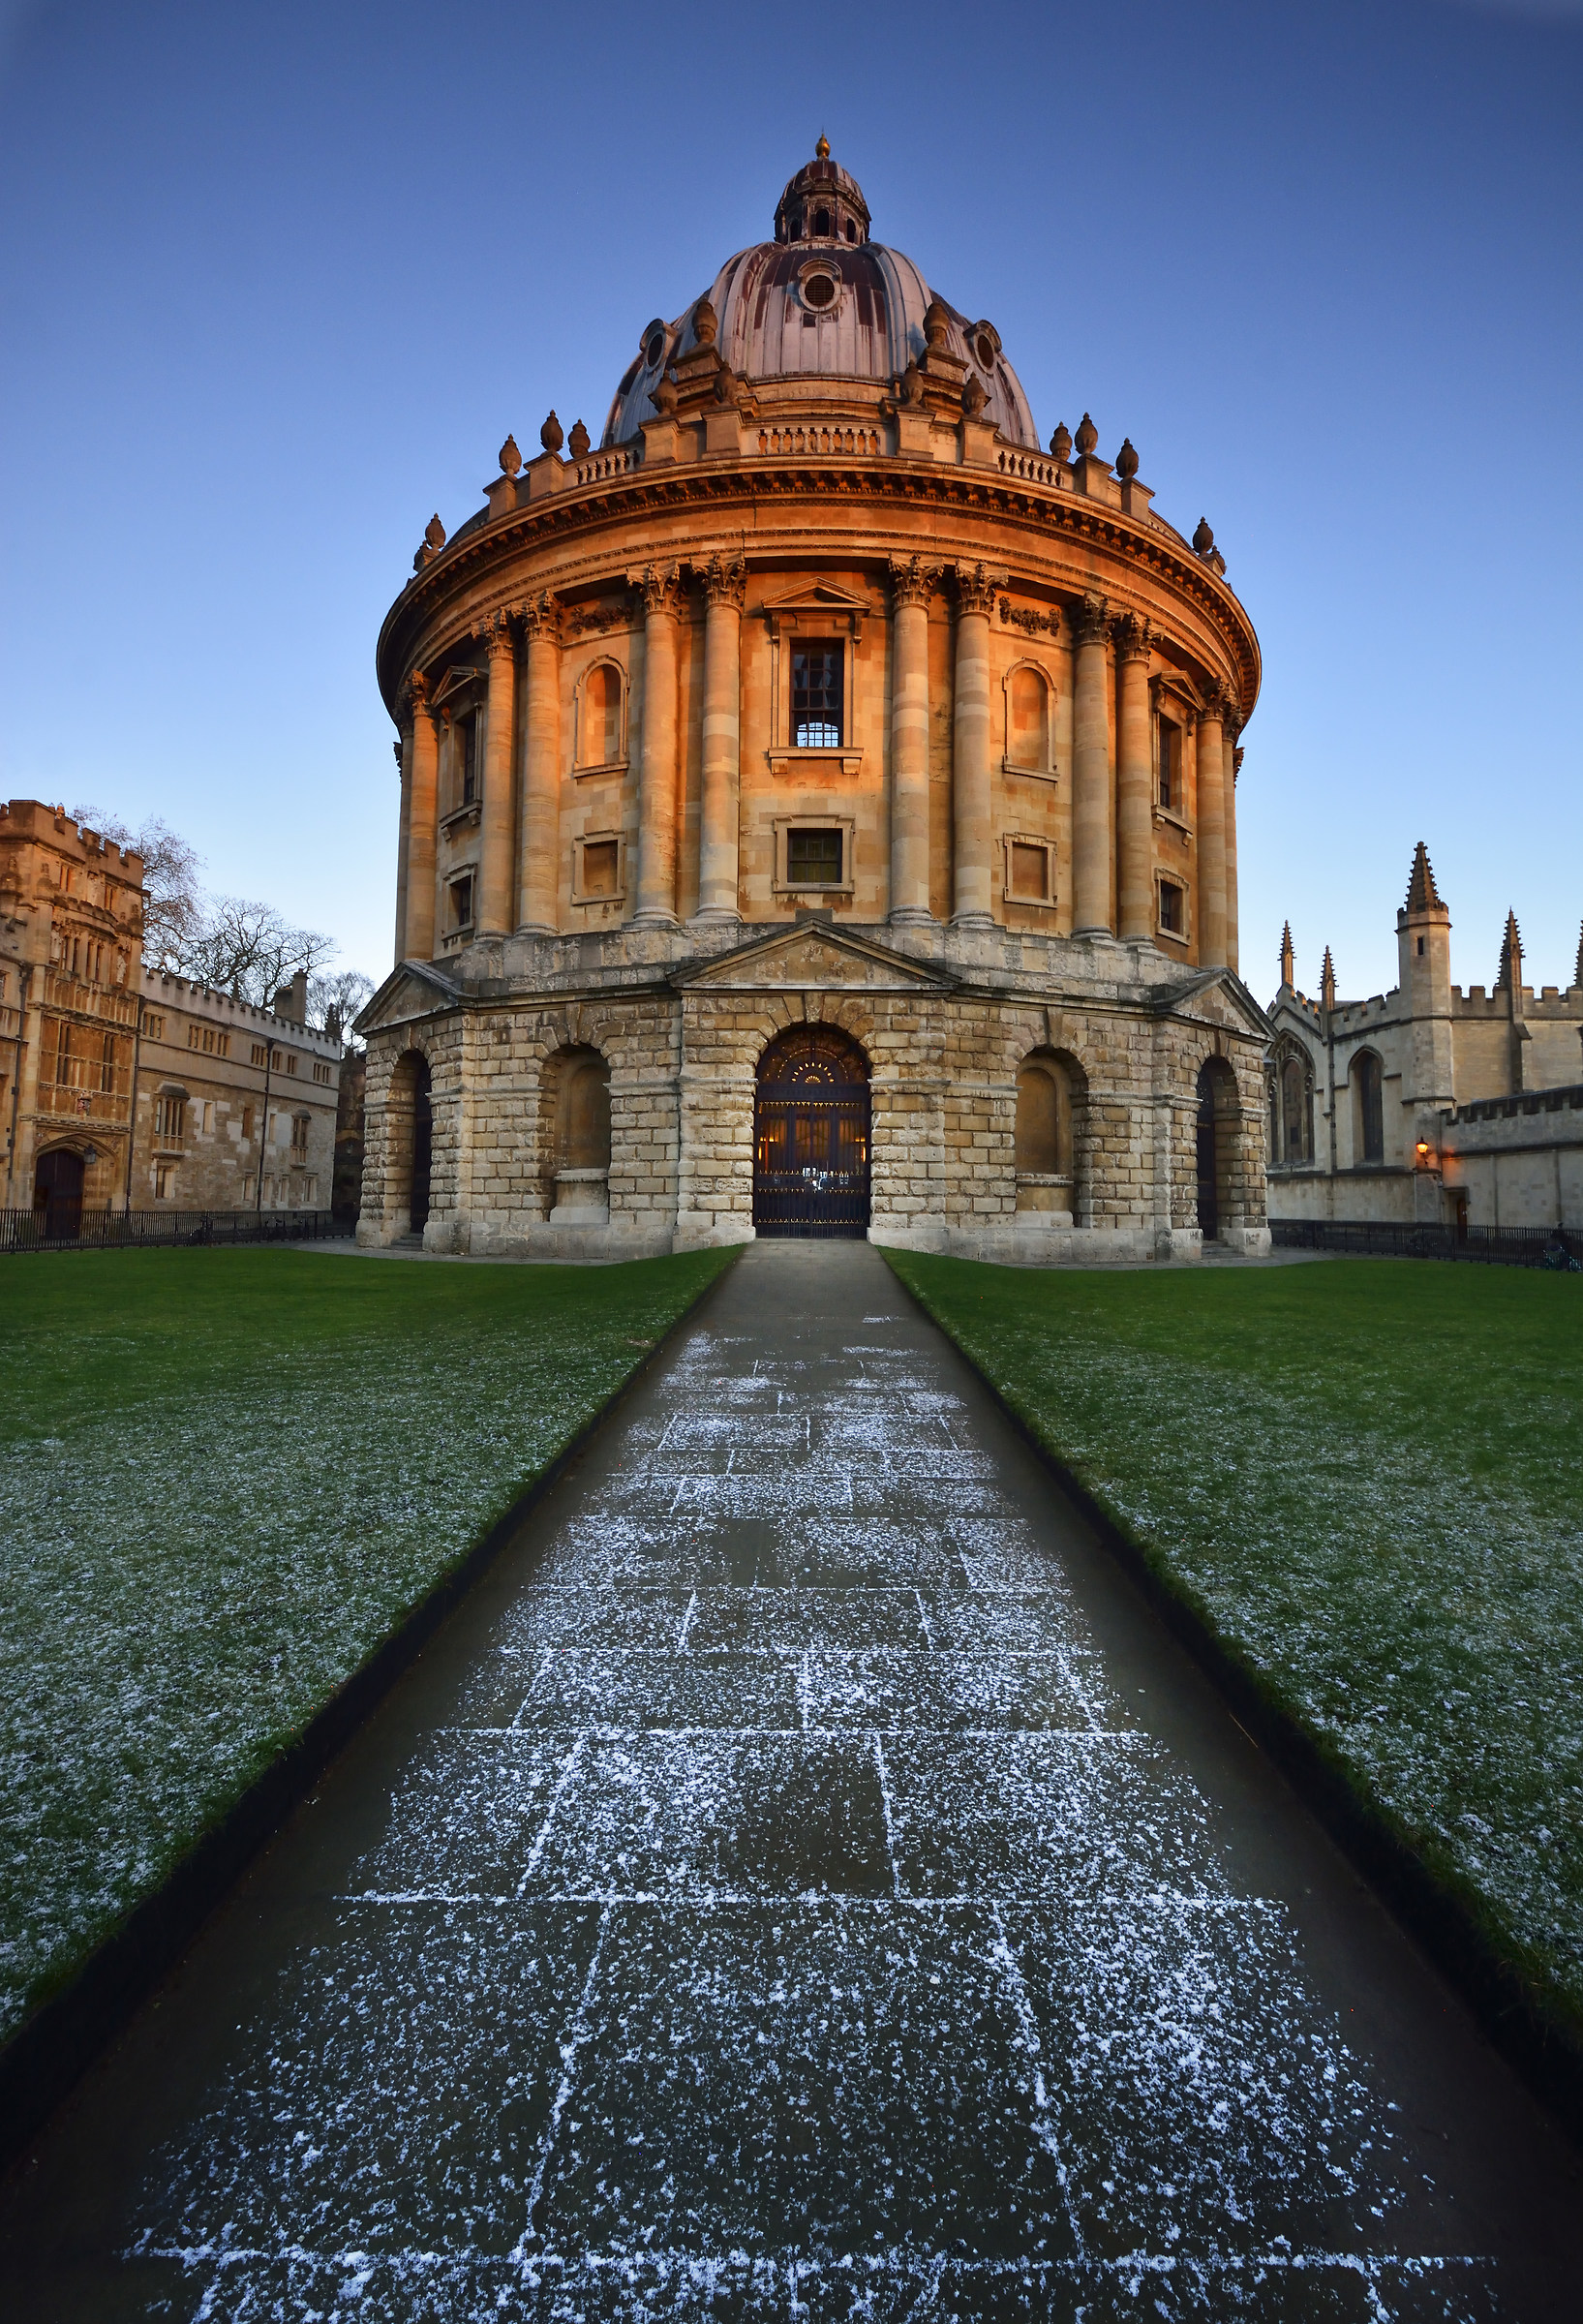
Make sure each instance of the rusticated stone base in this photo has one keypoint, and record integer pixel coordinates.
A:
(945, 1021)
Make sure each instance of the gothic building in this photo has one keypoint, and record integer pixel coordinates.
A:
(817, 809)
(1426, 1105)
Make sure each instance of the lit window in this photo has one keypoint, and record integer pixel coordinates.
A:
(816, 698)
(814, 859)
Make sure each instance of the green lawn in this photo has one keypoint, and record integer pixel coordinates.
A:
(1368, 1476)
(224, 1478)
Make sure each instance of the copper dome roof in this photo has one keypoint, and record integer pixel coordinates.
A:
(822, 300)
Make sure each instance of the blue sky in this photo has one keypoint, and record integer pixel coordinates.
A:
(275, 281)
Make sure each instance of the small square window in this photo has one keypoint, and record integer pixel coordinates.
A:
(1172, 910)
(814, 859)
(1027, 871)
(816, 698)
(601, 868)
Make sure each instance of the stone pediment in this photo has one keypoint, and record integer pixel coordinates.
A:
(412, 990)
(1217, 997)
(814, 959)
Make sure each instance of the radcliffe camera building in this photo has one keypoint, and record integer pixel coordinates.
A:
(818, 810)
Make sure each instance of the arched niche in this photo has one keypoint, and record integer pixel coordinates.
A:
(1030, 721)
(1216, 1131)
(1048, 1141)
(577, 1103)
(409, 1143)
(601, 715)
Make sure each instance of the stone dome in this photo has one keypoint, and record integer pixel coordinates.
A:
(822, 301)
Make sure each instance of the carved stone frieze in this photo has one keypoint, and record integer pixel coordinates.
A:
(1031, 622)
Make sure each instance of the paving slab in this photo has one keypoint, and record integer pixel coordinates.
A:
(804, 1880)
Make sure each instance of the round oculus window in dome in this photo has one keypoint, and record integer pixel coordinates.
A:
(984, 350)
(819, 289)
(653, 343)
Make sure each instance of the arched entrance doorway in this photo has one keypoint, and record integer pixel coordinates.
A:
(57, 1195)
(411, 1137)
(1216, 1126)
(810, 1135)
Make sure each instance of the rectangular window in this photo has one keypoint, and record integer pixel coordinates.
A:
(1170, 766)
(460, 894)
(192, 1036)
(107, 1077)
(247, 1124)
(208, 1118)
(1028, 871)
(291, 1062)
(170, 1119)
(260, 1055)
(321, 1072)
(248, 1184)
(165, 1181)
(222, 1045)
(814, 859)
(816, 698)
(299, 1137)
(601, 868)
(154, 1027)
(467, 744)
(1172, 910)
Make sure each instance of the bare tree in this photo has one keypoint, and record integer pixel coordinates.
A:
(249, 950)
(334, 1000)
(173, 910)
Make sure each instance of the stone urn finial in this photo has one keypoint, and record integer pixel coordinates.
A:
(1060, 444)
(664, 394)
(974, 395)
(1087, 435)
(706, 324)
(1203, 540)
(511, 457)
(936, 323)
(434, 531)
(577, 443)
(1126, 461)
(550, 435)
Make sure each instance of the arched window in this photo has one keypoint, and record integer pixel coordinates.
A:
(1368, 1108)
(1296, 1125)
(599, 736)
(1027, 720)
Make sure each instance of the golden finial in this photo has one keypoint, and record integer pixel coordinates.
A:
(821, 151)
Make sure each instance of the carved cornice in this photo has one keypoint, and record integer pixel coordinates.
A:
(1051, 522)
(725, 582)
(912, 581)
(1132, 636)
(976, 589)
(1091, 620)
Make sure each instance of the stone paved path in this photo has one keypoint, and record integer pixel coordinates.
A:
(804, 1883)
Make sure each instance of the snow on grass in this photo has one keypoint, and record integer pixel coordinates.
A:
(1367, 1475)
(224, 1479)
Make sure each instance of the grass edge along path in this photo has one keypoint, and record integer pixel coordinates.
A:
(71, 2015)
(1510, 1985)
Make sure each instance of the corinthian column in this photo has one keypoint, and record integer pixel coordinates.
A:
(970, 752)
(404, 760)
(1212, 833)
(1090, 776)
(1232, 763)
(724, 594)
(423, 806)
(1135, 821)
(495, 854)
(538, 862)
(657, 776)
(912, 585)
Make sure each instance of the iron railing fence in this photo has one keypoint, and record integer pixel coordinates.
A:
(121, 1230)
(1507, 1246)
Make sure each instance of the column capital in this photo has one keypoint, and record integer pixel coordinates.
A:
(1218, 704)
(724, 582)
(1134, 636)
(977, 590)
(541, 616)
(912, 581)
(413, 697)
(1091, 620)
(658, 589)
(401, 756)
(493, 633)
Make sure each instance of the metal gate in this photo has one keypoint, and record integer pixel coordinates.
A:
(811, 1136)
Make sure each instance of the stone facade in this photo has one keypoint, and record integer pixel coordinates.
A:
(124, 1088)
(819, 692)
(1428, 1105)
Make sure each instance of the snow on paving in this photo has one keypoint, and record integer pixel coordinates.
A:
(793, 1922)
